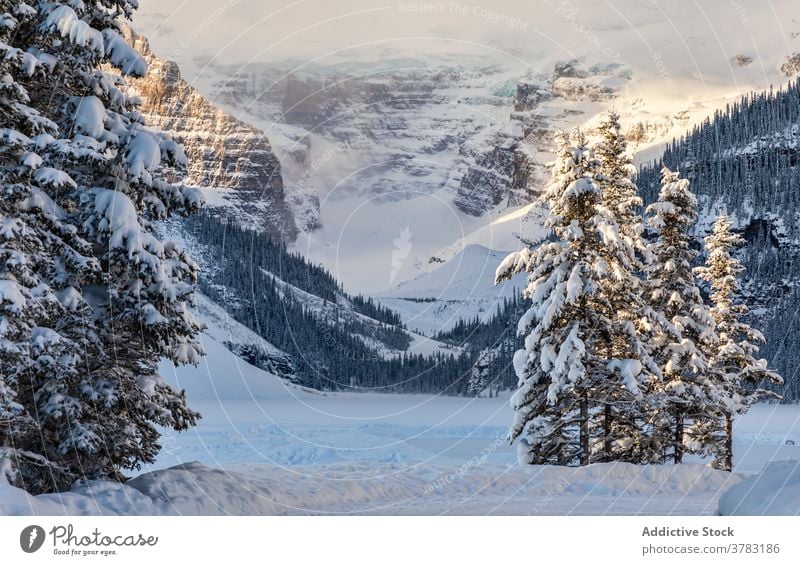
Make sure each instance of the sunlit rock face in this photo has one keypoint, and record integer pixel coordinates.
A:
(224, 152)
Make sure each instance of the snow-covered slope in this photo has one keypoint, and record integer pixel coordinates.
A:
(774, 491)
(222, 374)
(458, 280)
(343, 312)
(461, 288)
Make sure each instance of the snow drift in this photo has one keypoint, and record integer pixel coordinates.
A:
(775, 492)
(195, 489)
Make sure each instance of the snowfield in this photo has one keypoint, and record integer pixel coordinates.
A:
(267, 447)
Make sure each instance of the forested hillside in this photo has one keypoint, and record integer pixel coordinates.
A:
(337, 341)
(744, 161)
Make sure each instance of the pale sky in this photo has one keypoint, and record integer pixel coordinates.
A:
(678, 31)
(239, 30)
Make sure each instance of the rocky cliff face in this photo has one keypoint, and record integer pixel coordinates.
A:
(508, 162)
(402, 130)
(224, 152)
(413, 126)
(494, 165)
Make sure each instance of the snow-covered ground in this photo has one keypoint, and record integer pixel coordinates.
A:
(195, 489)
(268, 447)
(307, 452)
(774, 491)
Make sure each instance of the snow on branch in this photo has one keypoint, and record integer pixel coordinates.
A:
(64, 20)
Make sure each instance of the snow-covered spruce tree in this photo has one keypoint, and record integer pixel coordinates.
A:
(566, 372)
(91, 299)
(689, 386)
(478, 374)
(635, 321)
(742, 375)
(41, 257)
(615, 177)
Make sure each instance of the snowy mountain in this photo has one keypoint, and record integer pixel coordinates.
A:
(433, 127)
(435, 148)
(398, 144)
(435, 301)
(457, 282)
(407, 164)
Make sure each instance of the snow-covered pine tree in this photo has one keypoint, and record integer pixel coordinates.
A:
(41, 255)
(688, 388)
(91, 299)
(478, 374)
(635, 322)
(742, 375)
(565, 371)
(615, 177)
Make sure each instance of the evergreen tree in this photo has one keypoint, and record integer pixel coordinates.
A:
(477, 380)
(34, 239)
(635, 322)
(745, 159)
(741, 374)
(688, 385)
(480, 372)
(620, 195)
(90, 298)
(566, 370)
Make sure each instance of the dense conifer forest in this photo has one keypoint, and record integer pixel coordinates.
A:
(744, 161)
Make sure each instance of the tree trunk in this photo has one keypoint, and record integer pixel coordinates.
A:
(678, 441)
(584, 429)
(728, 442)
(607, 431)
